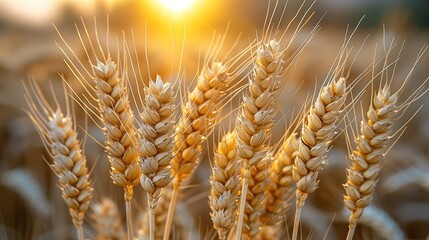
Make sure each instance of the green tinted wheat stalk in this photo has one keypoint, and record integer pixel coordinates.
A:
(156, 136)
(253, 133)
(107, 221)
(121, 141)
(224, 182)
(198, 116)
(59, 136)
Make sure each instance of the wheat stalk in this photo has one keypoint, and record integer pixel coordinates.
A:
(59, 136)
(198, 116)
(107, 220)
(121, 141)
(224, 182)
(317, 133)
(156, 136)
(280, 190)
(253, 133)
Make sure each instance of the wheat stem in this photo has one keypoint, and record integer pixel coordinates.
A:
(351, 232)
(300, 201)
(242, 207)
(80, 235)
(129, 214)
(152, 229)
(170, 215)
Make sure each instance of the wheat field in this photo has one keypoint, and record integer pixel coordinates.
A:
(280, 121)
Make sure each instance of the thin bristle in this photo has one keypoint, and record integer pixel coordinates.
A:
(224, 182)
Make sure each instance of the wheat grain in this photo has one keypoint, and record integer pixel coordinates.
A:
(280, 190)
(253, 133)
(121, 143)
(317, 133)
(59, 135)
(224, 182)
(156, 136)
(107, 221)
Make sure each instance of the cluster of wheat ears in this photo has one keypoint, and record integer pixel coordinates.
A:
(159, 146)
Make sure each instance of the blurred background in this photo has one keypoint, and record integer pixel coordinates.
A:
(30, 203)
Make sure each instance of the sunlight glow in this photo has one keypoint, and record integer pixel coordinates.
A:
(177, 5)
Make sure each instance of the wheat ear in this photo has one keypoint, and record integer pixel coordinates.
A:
(121, 140)
(59, 136)
(156, 136)
(253, 133)
(198, 116)
(280, 190)
(224, 182)
(317, 133)
(367, 158)
(107, 220)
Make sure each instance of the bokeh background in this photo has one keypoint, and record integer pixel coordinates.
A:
(30, 203)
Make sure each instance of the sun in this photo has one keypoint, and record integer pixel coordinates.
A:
(177, 5)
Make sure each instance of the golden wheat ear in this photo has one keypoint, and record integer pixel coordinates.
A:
(119, 129)
(156, 136)
(224, 186)
(57, 129)
(372, 141)
(107, 220)
(253, 133)
(199, 114)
